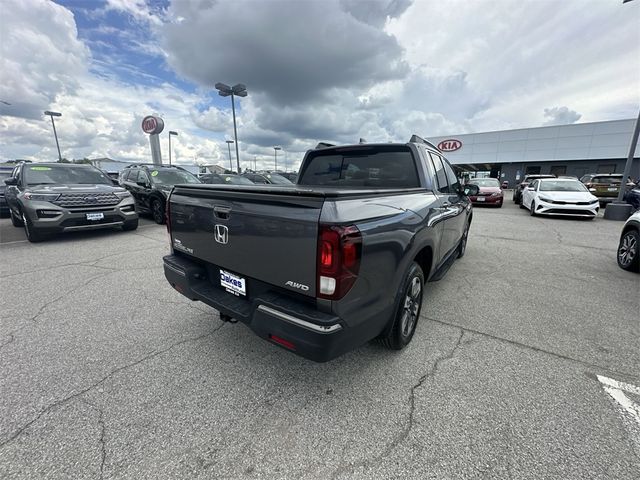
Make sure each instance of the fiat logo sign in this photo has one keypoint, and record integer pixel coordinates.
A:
(450, 145)
(152, 125)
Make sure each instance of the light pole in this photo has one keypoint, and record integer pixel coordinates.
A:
(229, 142)
(241, 91)
(171, 132)
(275, 153)
(55, 134)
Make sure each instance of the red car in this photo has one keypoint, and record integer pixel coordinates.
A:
(490, 192)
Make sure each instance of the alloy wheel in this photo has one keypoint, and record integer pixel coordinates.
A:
(412, 302)
(628, 250)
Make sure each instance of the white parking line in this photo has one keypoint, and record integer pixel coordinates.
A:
(616, 389)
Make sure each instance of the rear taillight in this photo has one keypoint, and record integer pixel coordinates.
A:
(339, 252)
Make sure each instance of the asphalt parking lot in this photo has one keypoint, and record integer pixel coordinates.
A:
(106, 372)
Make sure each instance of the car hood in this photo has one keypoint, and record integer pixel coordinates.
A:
(74, 188)
(568, 196)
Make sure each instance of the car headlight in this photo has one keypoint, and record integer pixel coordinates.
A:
(595, 200)
(496, 194)
(544, 199)
(122, 195)
(41, 197)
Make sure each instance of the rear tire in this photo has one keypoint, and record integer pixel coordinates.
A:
(629, 251)
(15, 221)
(157, 210)
(462, 246)
(32, 235)
(130, 225)
(408, 312)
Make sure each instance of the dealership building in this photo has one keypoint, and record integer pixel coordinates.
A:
(577, 149)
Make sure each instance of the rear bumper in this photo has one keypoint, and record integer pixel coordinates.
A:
(487, 200)
(272, 316)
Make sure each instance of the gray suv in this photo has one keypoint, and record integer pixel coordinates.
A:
(48, 198)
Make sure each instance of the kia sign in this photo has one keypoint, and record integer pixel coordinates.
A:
(450, 145)
(152, 125)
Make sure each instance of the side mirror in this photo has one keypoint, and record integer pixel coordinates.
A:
(142, 183)
(11, 181)
(471, 190)
(530, 189)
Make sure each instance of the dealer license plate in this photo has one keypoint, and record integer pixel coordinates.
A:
(95, 216)
(233, 283)
(480, 199)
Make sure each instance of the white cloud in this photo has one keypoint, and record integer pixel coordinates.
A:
(334, 71)
(561, 116)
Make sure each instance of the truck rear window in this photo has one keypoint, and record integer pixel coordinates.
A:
(373, 167)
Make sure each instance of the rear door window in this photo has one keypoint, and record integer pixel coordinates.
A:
(373, 167)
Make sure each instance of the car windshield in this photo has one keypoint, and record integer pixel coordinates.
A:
(484, 182)
(235, 180)
(607, 180)
(276, 179)
(61, 174)
(562, 186)
(172, 177)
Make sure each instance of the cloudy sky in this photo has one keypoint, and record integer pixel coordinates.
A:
(332, 70)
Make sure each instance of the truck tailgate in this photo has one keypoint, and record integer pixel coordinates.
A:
(268, 234)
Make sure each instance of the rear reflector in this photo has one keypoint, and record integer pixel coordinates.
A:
(282, 341)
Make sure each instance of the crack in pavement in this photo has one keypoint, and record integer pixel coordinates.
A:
(103, 445)
(34, 319)
(87, 263)
(78, 394)
(402, 436)
(531, 347)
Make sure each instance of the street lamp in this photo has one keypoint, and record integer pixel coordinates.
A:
(171, 132)
(241, 91)
(275, 153)
(229, 142)
(55, 134)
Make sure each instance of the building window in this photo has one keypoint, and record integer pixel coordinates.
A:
(558, 170)
(532, 170)
(607, 168)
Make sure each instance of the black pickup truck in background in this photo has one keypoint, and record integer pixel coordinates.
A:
(327, 264)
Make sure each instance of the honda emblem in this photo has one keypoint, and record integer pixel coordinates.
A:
(222, 234)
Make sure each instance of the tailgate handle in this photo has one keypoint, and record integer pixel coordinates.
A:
(222, 212)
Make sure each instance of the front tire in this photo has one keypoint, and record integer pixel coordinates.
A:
(462, 246)
(408, 311)
(32, 235)
(130, 225)
(15, 220)
(157, 210)
(629, 251)
(532, 208)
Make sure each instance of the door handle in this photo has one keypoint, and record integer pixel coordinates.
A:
(221, 212)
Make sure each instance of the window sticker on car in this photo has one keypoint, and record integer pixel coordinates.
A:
(228, 179)
(154, 173)
(40, 169)
(268, 176)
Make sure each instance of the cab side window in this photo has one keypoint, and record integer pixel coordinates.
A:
(454, 183)
(441, 175)
(534, 185)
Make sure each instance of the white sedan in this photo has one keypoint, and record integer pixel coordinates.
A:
(560, 196)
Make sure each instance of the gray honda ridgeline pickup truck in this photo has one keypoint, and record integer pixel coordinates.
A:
(327, 264)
